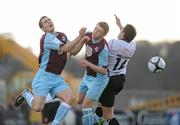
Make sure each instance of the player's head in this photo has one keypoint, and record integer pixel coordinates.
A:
(101, 30)
(46, 24)
(128, 33)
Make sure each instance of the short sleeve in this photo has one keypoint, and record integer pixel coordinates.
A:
(103, 57)
(52, 42)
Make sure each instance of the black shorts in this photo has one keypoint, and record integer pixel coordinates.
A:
(49, 111)
(115, 85)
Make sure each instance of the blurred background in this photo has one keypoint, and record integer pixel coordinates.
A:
(147, 99)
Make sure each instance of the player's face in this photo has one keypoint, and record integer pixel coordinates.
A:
(47, 25)
(98, 32)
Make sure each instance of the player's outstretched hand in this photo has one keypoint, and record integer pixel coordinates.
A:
(118, 21)
(85, 39)
(82, 31)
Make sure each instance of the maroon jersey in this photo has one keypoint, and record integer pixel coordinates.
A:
(52, 59)
(92, 53)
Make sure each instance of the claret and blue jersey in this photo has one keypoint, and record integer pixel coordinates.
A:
(51, 59)
(93, 83)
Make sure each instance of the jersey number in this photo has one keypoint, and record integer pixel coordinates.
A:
(118, 63)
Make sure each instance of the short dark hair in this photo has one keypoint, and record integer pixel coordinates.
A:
(129, 32)
(40, 24)
(105, 26)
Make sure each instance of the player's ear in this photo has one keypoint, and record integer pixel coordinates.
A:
(43, 29)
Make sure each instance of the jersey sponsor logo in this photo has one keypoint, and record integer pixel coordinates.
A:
(89, 51)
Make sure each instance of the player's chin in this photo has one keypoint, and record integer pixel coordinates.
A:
(95, 36)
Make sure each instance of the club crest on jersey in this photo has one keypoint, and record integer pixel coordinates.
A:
(96, 49)
(63, 38)
(89, 51)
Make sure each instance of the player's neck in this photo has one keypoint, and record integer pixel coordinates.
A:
(96, 40)
(53, 32)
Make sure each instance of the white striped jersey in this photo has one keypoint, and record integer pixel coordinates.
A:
(119, 56)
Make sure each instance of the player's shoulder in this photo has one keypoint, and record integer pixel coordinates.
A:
(114, 43)
(47, 37)
(132, 44)
(126, 44)
(42, 37)
(118, 43)
(62, 36)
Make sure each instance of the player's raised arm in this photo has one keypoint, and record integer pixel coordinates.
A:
(69, 46)
(118, 22)
(78, 47)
